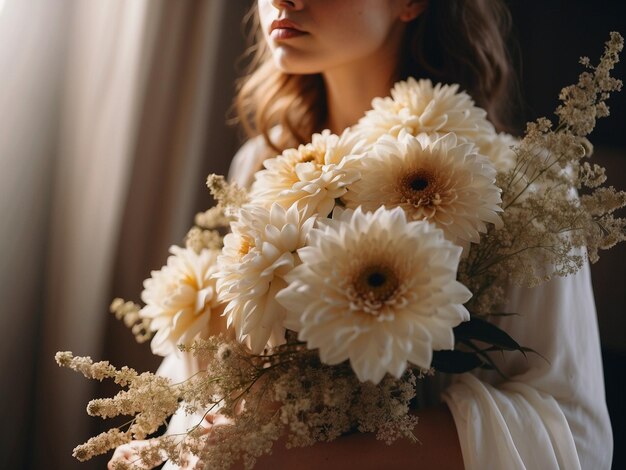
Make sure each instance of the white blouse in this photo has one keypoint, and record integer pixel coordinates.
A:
(550, 413)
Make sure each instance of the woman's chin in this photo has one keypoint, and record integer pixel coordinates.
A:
(294, 63)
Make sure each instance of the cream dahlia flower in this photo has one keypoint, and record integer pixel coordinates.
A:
(499, 149)
(180, 299)
(257, 254)
(442, 181)
(419, 107)
(313, 175)
(376, 289)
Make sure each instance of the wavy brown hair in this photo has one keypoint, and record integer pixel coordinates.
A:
(452, 41)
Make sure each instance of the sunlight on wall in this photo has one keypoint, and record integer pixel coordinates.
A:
(2, 2)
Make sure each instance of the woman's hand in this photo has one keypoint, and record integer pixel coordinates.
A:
(129, 453)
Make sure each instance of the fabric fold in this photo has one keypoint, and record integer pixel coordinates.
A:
(550, 413)
(515, 427)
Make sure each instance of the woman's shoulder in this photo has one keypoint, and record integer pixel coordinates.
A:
(248, 160)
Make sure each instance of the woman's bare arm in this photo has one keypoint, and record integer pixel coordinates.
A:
(438, 447)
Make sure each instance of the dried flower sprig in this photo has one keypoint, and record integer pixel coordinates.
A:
(198, 239)
(285, 392)
(545, 223)
(585, 102)
(149, 399)
(210, 224)
(128, 312)
(229, 196)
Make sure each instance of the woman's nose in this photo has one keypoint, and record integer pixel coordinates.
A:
(288, 4)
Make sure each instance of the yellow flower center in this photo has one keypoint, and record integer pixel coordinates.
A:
(246, 245)
(190, 280)
(312, 155)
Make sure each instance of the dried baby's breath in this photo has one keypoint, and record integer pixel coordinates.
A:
(229, 196)
(128, 312)
(548, 229)
(286, 392)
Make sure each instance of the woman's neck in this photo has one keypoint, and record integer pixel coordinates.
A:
(351, 87)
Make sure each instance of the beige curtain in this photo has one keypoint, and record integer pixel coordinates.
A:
(32, 47)
(113, 114)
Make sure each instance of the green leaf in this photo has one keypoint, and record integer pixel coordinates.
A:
(481, 330)
(487, 361)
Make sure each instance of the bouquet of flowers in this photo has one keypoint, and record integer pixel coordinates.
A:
(356, 265)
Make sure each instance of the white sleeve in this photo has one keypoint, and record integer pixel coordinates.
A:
(178, 367)
(546, 415)
(247, 161)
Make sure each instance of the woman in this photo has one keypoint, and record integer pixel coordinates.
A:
(318, 65)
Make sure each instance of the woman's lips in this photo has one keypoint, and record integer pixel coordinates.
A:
(285, 29)
(286, 33)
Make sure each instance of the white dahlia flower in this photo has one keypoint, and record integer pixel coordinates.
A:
(313, 175)
(376, 289)
(499, 149)
(257, 254)
(419, 107)
(180, 299)
(442, 181)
